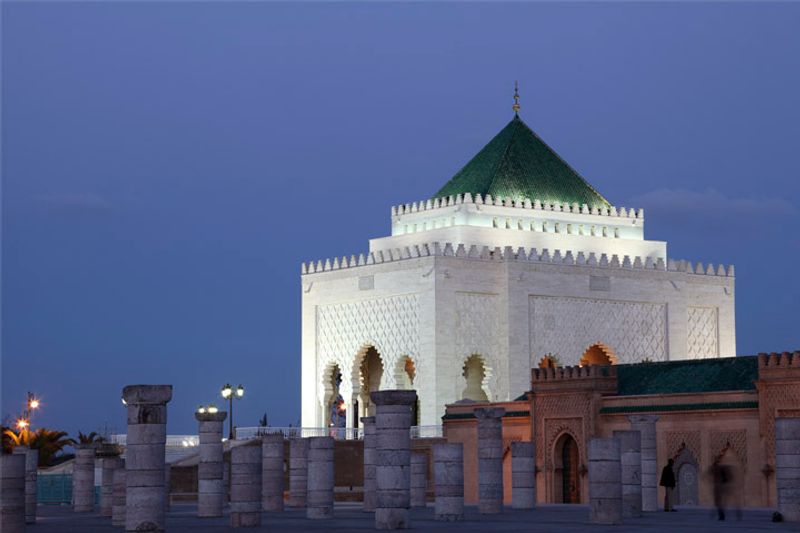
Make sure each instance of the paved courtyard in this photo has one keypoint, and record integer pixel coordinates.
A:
(559, 518)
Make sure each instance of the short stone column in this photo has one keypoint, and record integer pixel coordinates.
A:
(490, 459)
(145, 456)
(523, 475)
(298, 472)
(272, 472)
(787, 467)
(393, 457)
(368, 423)
(646, 426)
(630, 448)
(110, 460)
(12, 493)
(246, 485)
(210, 483)
(605, 481)
(31, 466)
(319, 498)
(83, 478)
(419, 479)
(448, 481)
(118, 497)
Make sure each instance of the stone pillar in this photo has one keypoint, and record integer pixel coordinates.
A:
(109, 461)
(787, 467)
(368, 423)
(630, 447)
(448, 481)
(167, 486)
(246, 485)
(646, 425)
(144, 456)
(31, 466)
(523, 475)
(118, 497)
(226, 479)
(298, 472)
(83, 478)
(272, 472)
(393, 457)
(12, 493)
(319, 499)
(605, 481)
(419, 479)
(210, 482)
(490, 459)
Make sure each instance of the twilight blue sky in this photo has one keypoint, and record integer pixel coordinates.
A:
(167, 166)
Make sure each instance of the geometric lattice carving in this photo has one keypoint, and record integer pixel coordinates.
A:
(477, 322)
(391, 325)
(701, 338)
(568, 326)
(735, 440)
(678, 439)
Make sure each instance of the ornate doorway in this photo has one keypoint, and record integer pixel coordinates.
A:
(567, 479)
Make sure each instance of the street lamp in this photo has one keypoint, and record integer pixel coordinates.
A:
(229, 393)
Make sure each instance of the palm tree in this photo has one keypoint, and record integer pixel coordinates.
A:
(91, 438)
(49, 442)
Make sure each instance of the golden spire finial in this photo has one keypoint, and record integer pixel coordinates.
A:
(516, 106)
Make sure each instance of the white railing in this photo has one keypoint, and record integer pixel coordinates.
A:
(417, 432)
(173, 441)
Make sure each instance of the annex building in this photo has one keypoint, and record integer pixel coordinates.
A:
(515, 263)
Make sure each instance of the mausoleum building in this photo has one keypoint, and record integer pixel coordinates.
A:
(517, 262)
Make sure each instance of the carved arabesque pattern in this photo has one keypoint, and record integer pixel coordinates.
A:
(566, 327)
(391, 325)
(702, 336)
(772, 400)
(676, 438)
(736, 440)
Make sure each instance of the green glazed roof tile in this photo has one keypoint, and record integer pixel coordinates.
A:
(703, 375)
(517, 164)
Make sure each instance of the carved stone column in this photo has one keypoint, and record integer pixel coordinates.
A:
(393, 457)
(605, 481)
(630, 446)
(523, 475)
(298, 472)
(646, 426)
(144, 456)
(448, 481)
(368, 423)
(210, 482)
(490, 459)
(83, 478)
(272, 472)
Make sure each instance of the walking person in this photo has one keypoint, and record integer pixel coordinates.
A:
(668, 482)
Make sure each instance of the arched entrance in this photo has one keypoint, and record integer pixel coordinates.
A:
(335, 407)
(405, 374)
(566, 479)
(368, 380)
(474, 372)
(598, 354)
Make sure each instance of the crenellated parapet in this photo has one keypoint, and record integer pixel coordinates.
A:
(572, 372)
(536, 205)
(521, 254)
(778, 361)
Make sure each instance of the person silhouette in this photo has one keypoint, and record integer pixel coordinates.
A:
(668, 482)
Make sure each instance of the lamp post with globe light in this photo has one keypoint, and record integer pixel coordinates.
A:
(229, 393)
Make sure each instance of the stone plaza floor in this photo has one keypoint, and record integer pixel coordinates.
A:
(348, 517)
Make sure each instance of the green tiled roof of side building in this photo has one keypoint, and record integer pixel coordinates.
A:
(517, 164)
(701, 375)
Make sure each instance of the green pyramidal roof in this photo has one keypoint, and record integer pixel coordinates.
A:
(517, 164)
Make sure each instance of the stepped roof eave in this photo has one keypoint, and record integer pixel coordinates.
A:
(518, 164)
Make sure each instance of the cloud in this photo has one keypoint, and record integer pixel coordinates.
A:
(711, 205)
(80, 202)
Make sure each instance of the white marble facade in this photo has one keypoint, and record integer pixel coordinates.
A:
(503, 283)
